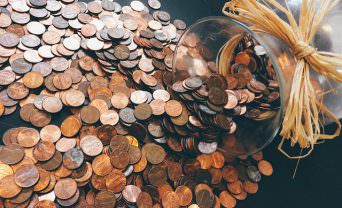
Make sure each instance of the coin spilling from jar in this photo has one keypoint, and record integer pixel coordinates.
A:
(129, 140)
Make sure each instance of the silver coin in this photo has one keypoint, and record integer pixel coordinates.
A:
(154, 4)
(207, 148)
(137, 6)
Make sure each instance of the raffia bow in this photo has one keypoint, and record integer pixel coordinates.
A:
(301, 123)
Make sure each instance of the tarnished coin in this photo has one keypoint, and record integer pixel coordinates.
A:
(6, 77)
(17, 91)
(105, 199)
(73, 158)
(90, 114)
(9, 40)
(110, 117)
(44, 151)
(91, 145)
(26, 176)
(11, 154)
(121, 52)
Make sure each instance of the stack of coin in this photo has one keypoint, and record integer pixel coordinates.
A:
(129, 139)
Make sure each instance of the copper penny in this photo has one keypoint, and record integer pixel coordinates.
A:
(33, 80)
(90, 114)
(74, 98)
(119, 100)
(217, 159)
(50, 133)
(227, 200)
(45, 204)
(265, 168)
(23, 196)
(17, 91)
(157, 176)
(250, 187)
(86, 63)
(62, 172)
(134, 154)
(119, 159)
(11, 154)
(8, 187)
(88, 30)
(5, 170)
(40, 118)
(173, 108)
(26, 176)
(105, 199)
(62, 81)
(171, 200)
(115, 181)
(65, 188)
(184, 194)
(100, 104)
(43, 182)
(44, 151)
(144, 200)
(71, 201)
(230, 174)
(102, 165)
(28, 137)
(53, 163)
(155, 154)
(71, 126)
(158, 107)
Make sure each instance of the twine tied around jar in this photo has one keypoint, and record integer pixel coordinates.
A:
(302, 123)
(303, 50)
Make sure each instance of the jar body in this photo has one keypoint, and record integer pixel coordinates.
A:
(201, 46)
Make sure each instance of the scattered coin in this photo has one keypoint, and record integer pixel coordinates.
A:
(111, 63)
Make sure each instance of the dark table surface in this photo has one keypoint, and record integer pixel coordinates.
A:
(318, 182)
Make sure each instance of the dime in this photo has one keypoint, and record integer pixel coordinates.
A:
(154, 4)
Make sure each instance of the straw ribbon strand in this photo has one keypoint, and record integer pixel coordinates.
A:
(302, 50)
(302, 123)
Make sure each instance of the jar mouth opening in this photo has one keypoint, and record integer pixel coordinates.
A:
(272, 57)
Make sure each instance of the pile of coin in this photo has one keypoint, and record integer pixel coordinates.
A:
(127, 140)
(106, 167)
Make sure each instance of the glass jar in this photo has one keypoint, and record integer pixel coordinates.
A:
(198, 57)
